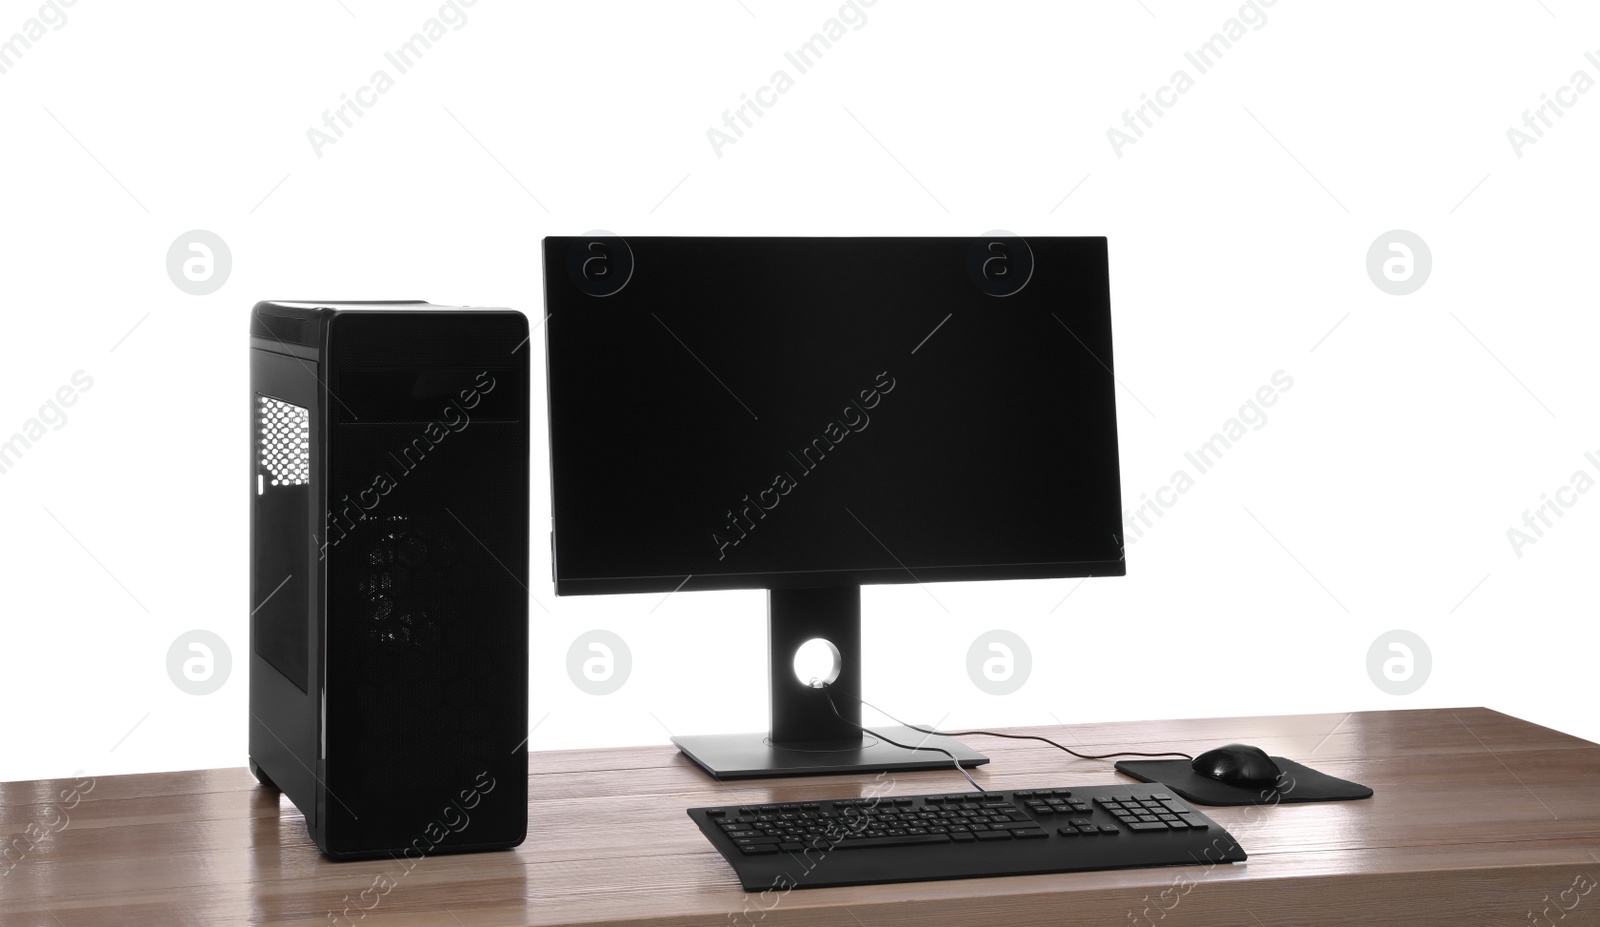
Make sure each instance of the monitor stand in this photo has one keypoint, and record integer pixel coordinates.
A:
(807, 738)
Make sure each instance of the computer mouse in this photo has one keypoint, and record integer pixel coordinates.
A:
(1237, 764)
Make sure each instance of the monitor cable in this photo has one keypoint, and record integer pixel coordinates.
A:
(1081, 756)
(826, 690)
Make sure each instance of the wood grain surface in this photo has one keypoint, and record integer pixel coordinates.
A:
(1478, 818)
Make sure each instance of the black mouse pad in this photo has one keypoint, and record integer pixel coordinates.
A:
(1297, 784)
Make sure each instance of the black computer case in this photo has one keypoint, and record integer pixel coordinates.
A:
(389, 572)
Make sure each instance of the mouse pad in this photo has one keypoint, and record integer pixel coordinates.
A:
(1297, 784)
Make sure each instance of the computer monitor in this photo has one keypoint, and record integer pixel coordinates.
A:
(808, 415)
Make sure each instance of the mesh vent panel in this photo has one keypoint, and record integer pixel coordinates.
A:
(285, 442)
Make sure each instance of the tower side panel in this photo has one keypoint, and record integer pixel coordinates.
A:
(284, 486)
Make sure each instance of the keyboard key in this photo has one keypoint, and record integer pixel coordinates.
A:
(1107, 829)
(993, 835)
(1192, 822)
(1028, 834)
(859, 843)
(1067, 831)
(716, 812)
(1147, 825)
(759, 850)
(962, 837)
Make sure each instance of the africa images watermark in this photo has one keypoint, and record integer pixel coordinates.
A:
(453, 419)
(1156, 909)
(851, 822)
(735, 122)
(453, 818)
(1135, 122)
(52, 416)
(1552, 507)
(51, 17)
(452, 17)
(52, 819)
(1564, 903)
(1552, 106)
(742, 518)
(1252, 416)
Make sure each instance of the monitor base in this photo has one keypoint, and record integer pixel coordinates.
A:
(755, 756)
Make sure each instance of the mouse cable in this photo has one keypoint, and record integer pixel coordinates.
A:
(835, 708)
(1081, 756)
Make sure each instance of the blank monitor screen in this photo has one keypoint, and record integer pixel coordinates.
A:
(792, 412)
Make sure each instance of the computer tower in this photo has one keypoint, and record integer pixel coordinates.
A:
(389, 572)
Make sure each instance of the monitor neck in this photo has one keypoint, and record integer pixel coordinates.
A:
(801, 713)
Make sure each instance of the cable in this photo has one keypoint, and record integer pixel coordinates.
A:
(835, 708)
(1081, 756)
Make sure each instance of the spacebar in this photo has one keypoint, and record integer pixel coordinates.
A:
(908, 840)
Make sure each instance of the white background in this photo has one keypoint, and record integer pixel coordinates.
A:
(1377, 496)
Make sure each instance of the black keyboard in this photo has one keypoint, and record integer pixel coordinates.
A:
(892, 838)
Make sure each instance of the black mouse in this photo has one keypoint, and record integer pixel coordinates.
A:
(1237, 764)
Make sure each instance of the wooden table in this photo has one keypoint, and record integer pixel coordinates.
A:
(1479, 818)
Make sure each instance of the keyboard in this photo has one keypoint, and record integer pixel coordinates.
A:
(893, 838)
